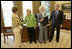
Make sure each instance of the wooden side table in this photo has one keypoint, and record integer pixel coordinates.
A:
(25, 37)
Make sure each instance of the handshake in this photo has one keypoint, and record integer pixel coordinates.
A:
(22, 24)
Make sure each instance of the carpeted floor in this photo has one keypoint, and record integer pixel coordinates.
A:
(65, 42)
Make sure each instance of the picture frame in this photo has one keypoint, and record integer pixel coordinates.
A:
(66, 7)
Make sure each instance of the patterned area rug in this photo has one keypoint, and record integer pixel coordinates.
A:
(65, 42)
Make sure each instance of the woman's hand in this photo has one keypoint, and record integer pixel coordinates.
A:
(61, 25)
(21, 22)
(42, 20)
(20, 27)
(34, 27)
(48, 24)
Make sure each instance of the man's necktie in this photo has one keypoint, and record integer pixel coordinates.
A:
(56, 13)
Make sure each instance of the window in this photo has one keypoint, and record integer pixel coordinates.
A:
(26, 5)
(47, 7)
(7, 12)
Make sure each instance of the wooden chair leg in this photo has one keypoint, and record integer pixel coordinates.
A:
(4, 39)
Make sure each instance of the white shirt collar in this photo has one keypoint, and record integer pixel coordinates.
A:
(43, 14)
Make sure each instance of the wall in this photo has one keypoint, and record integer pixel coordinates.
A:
(68, 15)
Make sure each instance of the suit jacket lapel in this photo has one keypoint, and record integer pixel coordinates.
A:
(54, 14)
(41, 15)
(59, 13)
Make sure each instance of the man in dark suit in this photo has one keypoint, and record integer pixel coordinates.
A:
(57, 20)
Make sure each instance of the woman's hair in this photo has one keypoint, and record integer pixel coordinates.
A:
(14, 9)
(28, 10)
(41, 7)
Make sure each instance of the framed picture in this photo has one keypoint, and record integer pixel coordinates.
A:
(66, 7)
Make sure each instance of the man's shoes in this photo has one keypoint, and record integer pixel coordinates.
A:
(57, 41)
(45, 42)
(40, 42)
(30, 42)
(35, 42)
(49, 40)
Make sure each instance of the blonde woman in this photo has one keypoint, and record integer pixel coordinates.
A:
(31, 25)
(16, 26)
(42, 26)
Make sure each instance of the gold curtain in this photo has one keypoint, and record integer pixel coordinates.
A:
(52, 3)
(35, 5)
(2, 21)
(19, 6)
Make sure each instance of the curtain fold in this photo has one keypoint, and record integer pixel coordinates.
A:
(35, 5)
(2, 21)
(52, 3)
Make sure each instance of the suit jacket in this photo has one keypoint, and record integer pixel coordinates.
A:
(58, 20)
(39, 17)
(15, 21)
